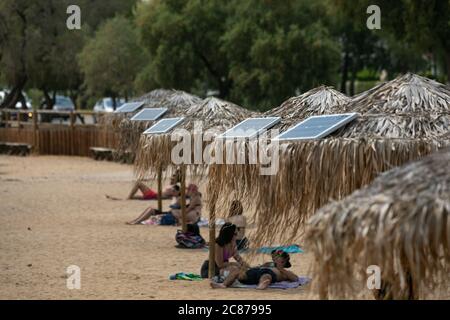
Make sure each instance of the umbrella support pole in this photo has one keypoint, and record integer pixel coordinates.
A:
(183, 198)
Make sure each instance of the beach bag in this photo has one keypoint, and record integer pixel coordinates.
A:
(168, 220)
(189, 240)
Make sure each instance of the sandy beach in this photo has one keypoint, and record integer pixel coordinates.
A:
(53, 214)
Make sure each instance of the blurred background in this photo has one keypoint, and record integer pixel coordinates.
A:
(256, 53)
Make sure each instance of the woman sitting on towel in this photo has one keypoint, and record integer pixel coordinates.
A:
(193, 209)
(237, 218)
(225, 249)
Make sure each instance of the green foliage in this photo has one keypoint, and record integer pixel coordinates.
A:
(111, 59)
(254, 52)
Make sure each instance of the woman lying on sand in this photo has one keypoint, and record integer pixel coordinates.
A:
(193, 209)
(150, 194)
(225, 249)
(263, 275)
(237, 218)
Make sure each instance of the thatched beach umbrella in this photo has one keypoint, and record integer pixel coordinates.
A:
(400, 223)
(129, 132)
(401, 120)
(155, 151)
(317, 101)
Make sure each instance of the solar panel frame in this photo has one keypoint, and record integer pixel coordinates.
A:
(125, 108)
(274, 121)
(178, 120)
(349, 117)
(162, 111)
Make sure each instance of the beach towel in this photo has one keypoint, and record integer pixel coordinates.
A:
(185, 276)
(277, 285)
(268, 250)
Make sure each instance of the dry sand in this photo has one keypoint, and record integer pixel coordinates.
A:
(53, 214)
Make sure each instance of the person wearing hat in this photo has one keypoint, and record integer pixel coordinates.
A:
(264, 275)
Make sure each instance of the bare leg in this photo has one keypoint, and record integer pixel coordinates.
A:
(139, 186)
(133, 191)
(228, 280)
(264, 282)
(144, 216)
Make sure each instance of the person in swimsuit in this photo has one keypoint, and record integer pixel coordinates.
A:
(193, 210)
(149, 194)
(263, 275)
(237, 218)
(225, 249)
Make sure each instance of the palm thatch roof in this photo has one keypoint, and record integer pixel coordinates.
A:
(215, 115)
(400, 222)
(406, 94)
(312, 173)
(317, 101)
(176, 102)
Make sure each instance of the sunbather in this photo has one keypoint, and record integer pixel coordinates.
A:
(263, 275)
(193, 209)
(225, 249)
(150, 194)
(237, 218)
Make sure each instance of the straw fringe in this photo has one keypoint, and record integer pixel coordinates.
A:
(400, 223)
(311, 174)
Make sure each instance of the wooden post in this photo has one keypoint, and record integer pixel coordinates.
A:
(160, 189)
(18, 119)
(35, 131)
(212, 241)
(8, 118)
(183, 198)
(72, 132)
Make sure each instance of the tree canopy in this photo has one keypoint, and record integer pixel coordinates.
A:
(256, 53)
(111, 59)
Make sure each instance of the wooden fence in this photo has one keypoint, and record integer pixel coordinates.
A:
(54, 138)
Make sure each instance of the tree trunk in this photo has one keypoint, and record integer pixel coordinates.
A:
(48, 104)
(344, 72)
(224, 88)
(11, 99)
(448, 66)
(352, 80)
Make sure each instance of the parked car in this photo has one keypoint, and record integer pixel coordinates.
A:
(62, 103)
(106, 105)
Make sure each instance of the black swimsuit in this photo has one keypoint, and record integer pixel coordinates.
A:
(255, 274)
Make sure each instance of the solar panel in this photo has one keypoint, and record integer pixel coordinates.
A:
(130, 107)
(250, 127)
(317, 127)
(163, 125)
(149, 114)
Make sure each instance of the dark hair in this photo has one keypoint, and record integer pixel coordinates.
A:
(176, 187)
(226, 234)
(285, 256)
(236, 208)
